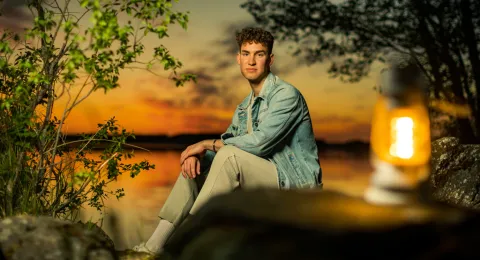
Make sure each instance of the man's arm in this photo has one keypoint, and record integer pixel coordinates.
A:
(213, 144)
(199, 149)
(229, 130)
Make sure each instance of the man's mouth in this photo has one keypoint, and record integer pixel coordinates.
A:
(251, 70)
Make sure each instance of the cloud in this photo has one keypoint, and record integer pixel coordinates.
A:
(284, 69)
(226, 47)
(228, 42)
(14, 16)
(201, 75)
(209, 92)
(206, 123)
(8, 4)
(205, 83)
(216, 78)
(223, 65)
(190, 121)
(159, 103)
(221, 55)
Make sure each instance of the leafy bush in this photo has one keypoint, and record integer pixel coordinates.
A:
(41, 173)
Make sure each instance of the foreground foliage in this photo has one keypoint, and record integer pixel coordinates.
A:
(42, 173)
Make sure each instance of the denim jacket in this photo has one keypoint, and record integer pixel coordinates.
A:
(282, 133)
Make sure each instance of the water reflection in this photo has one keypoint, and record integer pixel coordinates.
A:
(136, 213)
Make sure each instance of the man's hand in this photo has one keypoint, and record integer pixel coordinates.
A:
(192, 150)
(191, 167)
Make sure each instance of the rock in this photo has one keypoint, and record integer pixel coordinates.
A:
(455, 173)
(98, 231)
(28, 237)
(279, 224)
(132, 255)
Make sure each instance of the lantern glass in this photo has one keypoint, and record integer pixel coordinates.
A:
(401, 135)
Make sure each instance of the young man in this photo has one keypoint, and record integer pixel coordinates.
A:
(269, 144)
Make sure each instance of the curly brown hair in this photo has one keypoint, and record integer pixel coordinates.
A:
(256, 35)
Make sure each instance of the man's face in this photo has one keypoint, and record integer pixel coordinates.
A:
(254, 61)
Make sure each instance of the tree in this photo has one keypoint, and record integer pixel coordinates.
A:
(440, 36)
(40, 171)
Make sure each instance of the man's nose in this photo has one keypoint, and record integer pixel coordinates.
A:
(251, 60)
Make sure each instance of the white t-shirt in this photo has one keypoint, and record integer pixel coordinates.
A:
(249, 119)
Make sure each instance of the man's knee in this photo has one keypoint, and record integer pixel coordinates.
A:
(226, 151)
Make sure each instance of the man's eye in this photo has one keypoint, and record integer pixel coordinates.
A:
(261, 54)
(245, 54)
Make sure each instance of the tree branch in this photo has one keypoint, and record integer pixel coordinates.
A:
(64, 116)
(61, 18)
(66, 203)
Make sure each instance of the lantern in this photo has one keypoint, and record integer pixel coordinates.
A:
(400, 137)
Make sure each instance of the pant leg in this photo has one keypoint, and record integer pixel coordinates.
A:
(180, 200)
(234, 168)
(184, 192)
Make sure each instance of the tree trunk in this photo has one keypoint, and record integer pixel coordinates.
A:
(466, 134)
(431, 50)
(474, 57)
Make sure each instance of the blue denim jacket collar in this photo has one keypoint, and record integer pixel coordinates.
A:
(266, 88)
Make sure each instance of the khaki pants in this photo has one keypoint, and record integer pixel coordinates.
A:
(231, 168)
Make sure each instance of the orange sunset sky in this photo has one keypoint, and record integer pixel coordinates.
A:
(148, 104)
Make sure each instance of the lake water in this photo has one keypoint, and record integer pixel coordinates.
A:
(133, 218)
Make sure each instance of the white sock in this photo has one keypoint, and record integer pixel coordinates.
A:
(159, 237)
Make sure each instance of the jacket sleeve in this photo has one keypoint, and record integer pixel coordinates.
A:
(231, 130)
(228, 133)
(283, 115)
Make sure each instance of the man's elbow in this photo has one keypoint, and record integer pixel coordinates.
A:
(263, 150)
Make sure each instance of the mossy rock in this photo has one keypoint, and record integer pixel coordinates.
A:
(455, 173)
(28, 237)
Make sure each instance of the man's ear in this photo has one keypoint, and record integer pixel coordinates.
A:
(272, 57)
(238, 58)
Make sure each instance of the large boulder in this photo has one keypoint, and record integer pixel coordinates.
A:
(455, 173)
(28, 237)
(274, 224)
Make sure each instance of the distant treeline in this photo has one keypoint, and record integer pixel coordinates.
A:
(179, 142)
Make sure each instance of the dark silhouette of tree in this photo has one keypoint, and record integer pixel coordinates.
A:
(440, 36)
